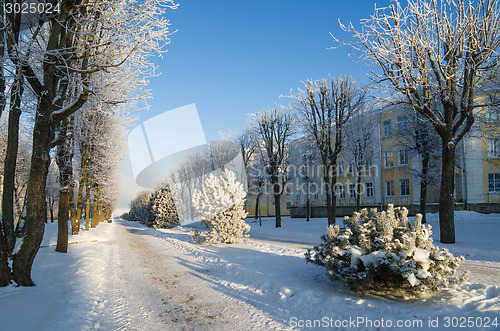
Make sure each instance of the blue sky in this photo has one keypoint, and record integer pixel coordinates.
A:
(233, 58)
(236, 57)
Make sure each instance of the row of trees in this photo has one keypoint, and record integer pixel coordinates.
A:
(436, 56)
(433, 58)
(70, 74)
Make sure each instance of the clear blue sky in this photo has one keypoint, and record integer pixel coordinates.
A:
(235, 57)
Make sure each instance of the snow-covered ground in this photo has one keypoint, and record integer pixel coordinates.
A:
(124, 276)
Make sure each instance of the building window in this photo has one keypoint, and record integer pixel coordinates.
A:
(494, 182)
(352, 191)
(315, 197)
(350, 168)
(340, 168)
(405, 186)
(494, 148)
(297, 198)
(387, 129)
(403, 156)
(341, 192)
(388, 159)
(491, 115)
(402, 124)
(389, 188)
(369, 190)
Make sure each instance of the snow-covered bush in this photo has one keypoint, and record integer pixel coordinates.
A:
(163, 208)
(383, 252)
(154, 209)
(140, 209)
(221, 206)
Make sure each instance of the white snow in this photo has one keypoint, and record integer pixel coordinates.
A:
(124, 276)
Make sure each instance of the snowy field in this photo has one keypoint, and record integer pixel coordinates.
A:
(123, 276)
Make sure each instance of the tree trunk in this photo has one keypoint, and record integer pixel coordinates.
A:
(257, 200)
(308, 205)
(51, 212)
(4, 262)
(94, 220)
(446, 194)
(87, 209)
(64, 158)
(62, 221)
(35, 196)
(333, 195)
(79, 201)
(10, 161)
(73, 214)
(329, 200)
(423, 188)
(277, 206)
(356, 191)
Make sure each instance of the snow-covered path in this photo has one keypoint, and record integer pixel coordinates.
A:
(147, 287)
(142, 284)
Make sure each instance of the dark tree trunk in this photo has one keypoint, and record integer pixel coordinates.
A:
(51, 212)
(356, 191)
(329, 201)
(35, 196)
(64, 158)
(5, 276)
(277, 197)
(62, 221)
(308, 206)
(277, 206)
(446, 194)
(9, 179)
(257, 200)
(333, 195)
(423, 187)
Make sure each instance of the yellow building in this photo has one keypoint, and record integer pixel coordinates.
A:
(390, 173)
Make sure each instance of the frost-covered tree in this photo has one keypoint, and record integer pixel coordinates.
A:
(435, 53)
(421, 140)
(360, 142)
(85, 38)
(140, 209)
(324, 107)
(221, 205)
(274, 127)
(383, 252)
(163, 208)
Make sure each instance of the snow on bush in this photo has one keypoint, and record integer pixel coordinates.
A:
(154, 209)
(140, 210)
(163, 208)
(382, 252)
(221, 205)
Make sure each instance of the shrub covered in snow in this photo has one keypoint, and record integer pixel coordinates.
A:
(221, 205)
(154, 209)
(163, 208)
(383, 252)
(140, 209)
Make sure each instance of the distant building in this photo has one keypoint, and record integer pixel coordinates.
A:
(388, 172)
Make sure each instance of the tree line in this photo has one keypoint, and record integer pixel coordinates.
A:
(66, 79)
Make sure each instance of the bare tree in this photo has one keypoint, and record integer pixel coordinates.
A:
(359, 146)
(434, 52)
(417, 135)
(275, 129)
(324, 107)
